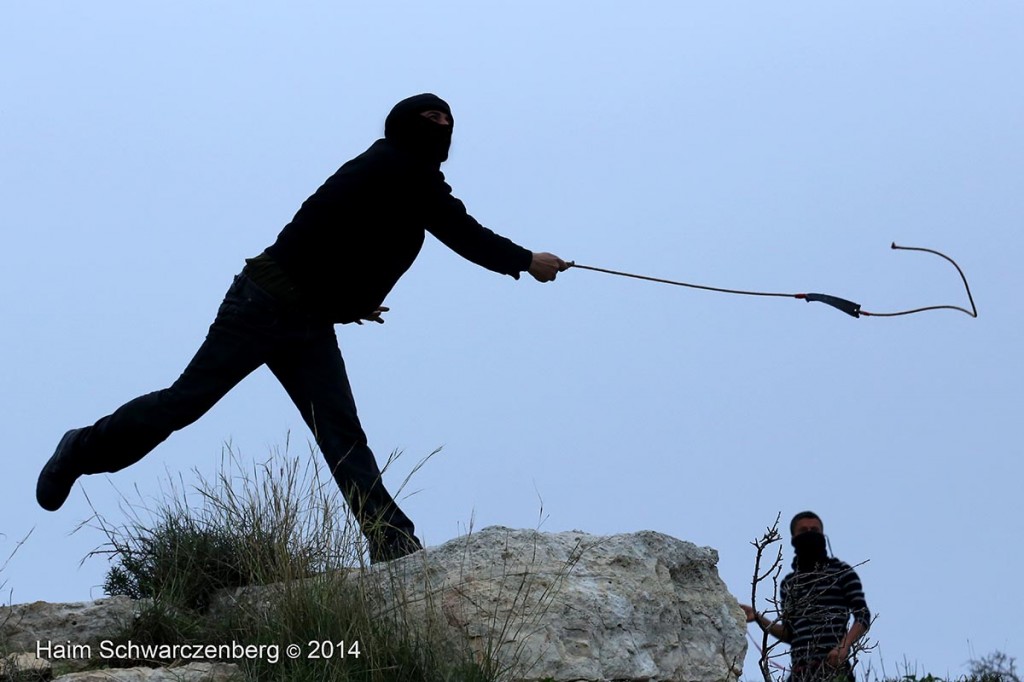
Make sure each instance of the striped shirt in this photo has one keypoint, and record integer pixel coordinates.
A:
(816, 609)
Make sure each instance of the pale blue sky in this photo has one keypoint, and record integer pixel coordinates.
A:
(147, 149)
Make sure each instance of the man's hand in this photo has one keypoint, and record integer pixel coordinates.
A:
(837, 656)
(749, 612)
(375, 316)
(545, 266)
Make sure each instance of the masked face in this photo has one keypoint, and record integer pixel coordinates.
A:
(424, 137)
(810, 549)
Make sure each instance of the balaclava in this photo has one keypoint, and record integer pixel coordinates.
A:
(810, 550)
(421, 137)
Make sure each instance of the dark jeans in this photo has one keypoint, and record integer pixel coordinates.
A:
(250, 330)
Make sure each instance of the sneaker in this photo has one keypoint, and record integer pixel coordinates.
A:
(394, 547)
(59, 475)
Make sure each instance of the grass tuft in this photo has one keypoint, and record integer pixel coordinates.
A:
(266, 556)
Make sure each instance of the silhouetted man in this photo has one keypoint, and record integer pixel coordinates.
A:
(817, 600)
(335, 262)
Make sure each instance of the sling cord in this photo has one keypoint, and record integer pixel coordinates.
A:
(848, 307)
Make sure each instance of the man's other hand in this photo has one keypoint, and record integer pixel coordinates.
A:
(838, 656)
(545, 266)
(375, 316)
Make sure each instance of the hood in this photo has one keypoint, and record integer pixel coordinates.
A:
(421, 137)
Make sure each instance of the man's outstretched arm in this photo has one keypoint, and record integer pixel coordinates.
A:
(449, 221)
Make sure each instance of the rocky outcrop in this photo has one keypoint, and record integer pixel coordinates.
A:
(25, 626)
(573, 606)
(561, 606)
(71, 635)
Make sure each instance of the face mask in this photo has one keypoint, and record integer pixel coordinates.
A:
(810, 550)
(419, 136)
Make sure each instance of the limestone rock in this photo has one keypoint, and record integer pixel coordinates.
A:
(193, 672)
(24, 668)
(573, 606)
(23, 627)
(639, 607)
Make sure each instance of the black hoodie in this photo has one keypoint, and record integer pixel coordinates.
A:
(360, 231)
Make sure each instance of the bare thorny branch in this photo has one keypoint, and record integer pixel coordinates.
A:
(761, 545)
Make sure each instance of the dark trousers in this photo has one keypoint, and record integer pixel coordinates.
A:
(250, 330)
(820, 671)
